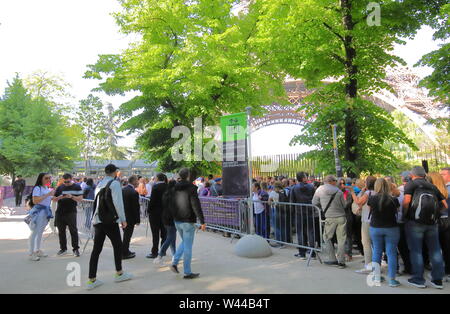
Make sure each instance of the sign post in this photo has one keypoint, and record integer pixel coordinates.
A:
(339, 173)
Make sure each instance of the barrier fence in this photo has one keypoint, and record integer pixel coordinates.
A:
(288, 224)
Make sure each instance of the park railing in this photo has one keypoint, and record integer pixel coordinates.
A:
(223, 214)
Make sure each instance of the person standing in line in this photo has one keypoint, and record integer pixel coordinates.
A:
(132, 214)
(421, 204)
(307, 225)
(364, 211)
(443, 224)
(169, 225)
(40, 214)
(216, 189)
(402, 244)
(110, 189)
(67, 195)
(19, 187)
(330, 199)
(187, 209)
(155, 209)
(445, 234)
(149, 186)
(141, 189)
(384, 231)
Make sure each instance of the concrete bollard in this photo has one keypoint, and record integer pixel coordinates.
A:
(252, 246)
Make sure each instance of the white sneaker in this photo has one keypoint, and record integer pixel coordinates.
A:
(41, 254)
(159, 261)
(94, 284)
(124, 277)
(34, 257)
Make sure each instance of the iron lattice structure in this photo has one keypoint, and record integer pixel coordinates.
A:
(405, 95)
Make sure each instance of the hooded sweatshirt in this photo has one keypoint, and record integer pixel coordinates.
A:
(187, 207)
(323, 196)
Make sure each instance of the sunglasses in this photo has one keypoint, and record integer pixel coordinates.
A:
(67, 182)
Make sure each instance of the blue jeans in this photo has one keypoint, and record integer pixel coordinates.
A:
(262, 225)
(170, 241)
(415, 235)
(385, 238)
(187, 232)
(35, 240)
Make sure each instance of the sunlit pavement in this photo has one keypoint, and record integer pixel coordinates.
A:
(221, 271)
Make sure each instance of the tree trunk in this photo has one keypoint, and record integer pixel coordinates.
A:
(351, 91)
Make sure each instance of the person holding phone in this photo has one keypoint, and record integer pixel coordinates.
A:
(67, 197)
(40, 213)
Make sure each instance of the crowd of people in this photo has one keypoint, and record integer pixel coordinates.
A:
(375, 216)
(382, 220)
(174, 207)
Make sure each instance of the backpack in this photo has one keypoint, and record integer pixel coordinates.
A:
(282, 197)
(103, 203)
(424, 207)
(29, 198)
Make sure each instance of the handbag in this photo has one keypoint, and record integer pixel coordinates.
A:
(356, 209)
(28, 219)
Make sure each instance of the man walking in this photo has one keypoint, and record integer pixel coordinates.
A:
(19, 187)
(108, 202)
(155, 209)
(67, 195)
(331, 200)
(421, 201)
(187, 209)
(132, 214)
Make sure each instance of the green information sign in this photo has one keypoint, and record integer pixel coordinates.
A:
(235, 157)
(234, 127)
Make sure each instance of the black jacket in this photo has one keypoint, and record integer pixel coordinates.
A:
(302, 193)
(155, 206)
(187, 206)
(131, 205)
(168, 207)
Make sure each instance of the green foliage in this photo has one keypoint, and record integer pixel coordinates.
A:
(439, 81)
(192, 59)
(90, 121)
(34, 137)
(331, 40)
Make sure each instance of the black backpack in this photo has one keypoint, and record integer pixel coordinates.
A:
(103, 203)
(424, 207)
(282, 197)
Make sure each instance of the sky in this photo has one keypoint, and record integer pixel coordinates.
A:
(63, 36)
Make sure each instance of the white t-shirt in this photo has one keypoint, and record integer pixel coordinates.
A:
(40, 191)
(366, 209)
(258, 207)
(274, 196)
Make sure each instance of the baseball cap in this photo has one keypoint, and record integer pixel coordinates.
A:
(218, 179)
(111, 168)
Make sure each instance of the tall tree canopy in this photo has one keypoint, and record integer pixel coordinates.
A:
(342, 42)
(192, 59)
(34, 137)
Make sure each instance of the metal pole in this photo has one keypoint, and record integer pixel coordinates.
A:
(336, 153)
(250, 171)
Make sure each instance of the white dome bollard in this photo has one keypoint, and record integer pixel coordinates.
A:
(252, 246)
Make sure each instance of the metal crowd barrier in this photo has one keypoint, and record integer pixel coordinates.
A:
(290, 224)
(144, 202)
(84, 220)
(223, 214)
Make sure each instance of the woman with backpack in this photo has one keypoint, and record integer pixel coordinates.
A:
(40, 214)
(384, 230)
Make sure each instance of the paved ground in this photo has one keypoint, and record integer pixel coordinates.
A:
(221, 271)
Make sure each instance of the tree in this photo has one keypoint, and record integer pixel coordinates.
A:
(342, 42)
(439, 81)
(110, 149)
(90, 121)
(192, 59)
(34, 137)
